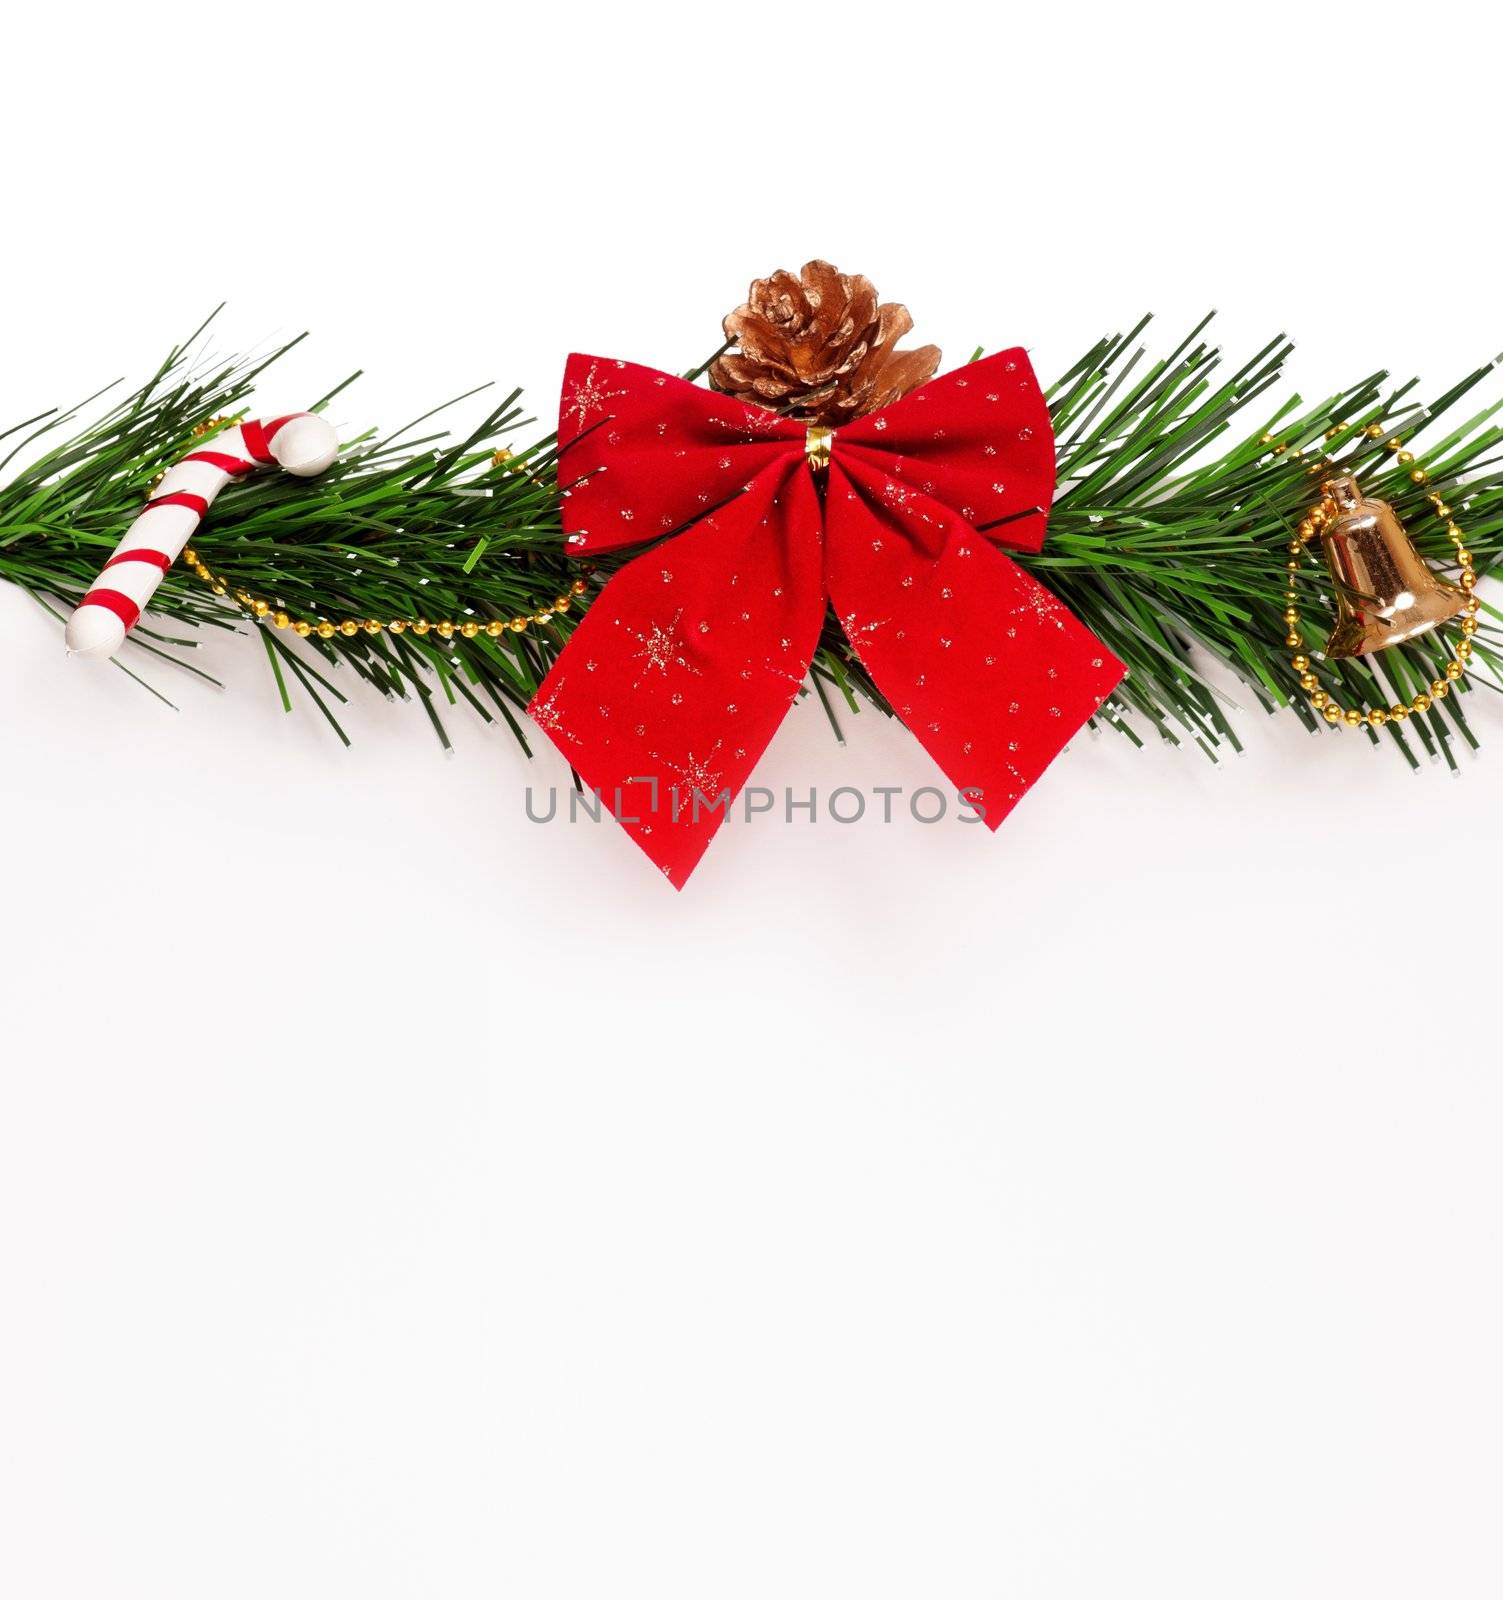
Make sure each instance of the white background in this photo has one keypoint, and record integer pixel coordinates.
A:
(400, 1199)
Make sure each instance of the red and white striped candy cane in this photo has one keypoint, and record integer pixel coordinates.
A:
(302, 444)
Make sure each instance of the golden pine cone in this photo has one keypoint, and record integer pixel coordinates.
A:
(819, 347)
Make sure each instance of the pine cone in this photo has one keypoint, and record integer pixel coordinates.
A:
(819, 347)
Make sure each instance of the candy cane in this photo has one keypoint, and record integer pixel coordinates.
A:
(301, 444)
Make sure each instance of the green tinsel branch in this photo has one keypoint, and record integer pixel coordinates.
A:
(1167, 538)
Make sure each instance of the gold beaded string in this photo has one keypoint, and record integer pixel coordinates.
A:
(1375, 717)
(265, 610)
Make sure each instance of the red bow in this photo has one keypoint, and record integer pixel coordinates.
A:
(684, 666)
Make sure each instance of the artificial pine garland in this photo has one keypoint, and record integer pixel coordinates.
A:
(1167, 539)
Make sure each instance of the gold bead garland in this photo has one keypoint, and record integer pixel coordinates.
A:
(265, 610)
(1375, 717)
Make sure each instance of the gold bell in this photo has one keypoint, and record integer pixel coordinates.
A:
(1384, 591)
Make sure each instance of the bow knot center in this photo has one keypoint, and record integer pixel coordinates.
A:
(817, 443)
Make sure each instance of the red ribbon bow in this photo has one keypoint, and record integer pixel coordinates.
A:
(684, 666)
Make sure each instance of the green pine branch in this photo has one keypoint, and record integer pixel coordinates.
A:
(1167, 539)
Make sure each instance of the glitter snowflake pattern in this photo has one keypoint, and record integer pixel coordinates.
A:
(547, 715)
(661, 649)
(855, 630)
(793, 682)
(1044, 606)
(589, 395)
(902, 498)
(697, 773)
(755, 421)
